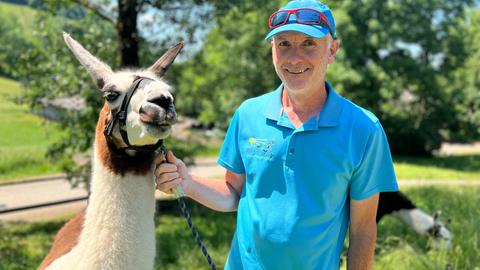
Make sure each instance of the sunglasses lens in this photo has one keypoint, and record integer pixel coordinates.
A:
(309, 16)
(279, 18)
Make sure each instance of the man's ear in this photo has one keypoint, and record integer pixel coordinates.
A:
(333, 50)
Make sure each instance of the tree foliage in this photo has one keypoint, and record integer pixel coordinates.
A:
(397, 59)
(464, 80)
(14, 37)
(48, 70)
(234, 64)
(398, 49)
(413, 63)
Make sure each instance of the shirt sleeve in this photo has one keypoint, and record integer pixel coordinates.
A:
(375, 171)
(230, 157)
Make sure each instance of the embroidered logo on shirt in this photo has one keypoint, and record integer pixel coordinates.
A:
(260, 148)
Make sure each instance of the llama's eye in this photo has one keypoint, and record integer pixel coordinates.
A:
(110, 95)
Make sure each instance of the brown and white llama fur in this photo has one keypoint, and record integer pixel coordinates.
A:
(116, 231)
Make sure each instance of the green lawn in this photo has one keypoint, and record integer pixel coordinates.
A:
(22, 246)
(458, 167)
(24, 138)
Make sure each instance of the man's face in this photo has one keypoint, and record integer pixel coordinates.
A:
(301, 61)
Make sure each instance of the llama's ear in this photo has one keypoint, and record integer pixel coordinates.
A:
(97, 69)
(164, 62)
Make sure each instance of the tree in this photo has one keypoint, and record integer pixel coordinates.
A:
(234, 64)
(398, 49)
(13, 37)
(124, 16)
(464, 81)
(48, 70)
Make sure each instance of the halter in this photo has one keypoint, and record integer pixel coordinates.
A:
(120, 117)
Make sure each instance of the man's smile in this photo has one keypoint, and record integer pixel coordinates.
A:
(296, 71)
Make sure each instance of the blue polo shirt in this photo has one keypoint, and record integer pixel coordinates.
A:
(294, 207)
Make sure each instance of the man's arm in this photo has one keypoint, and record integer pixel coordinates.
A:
(363, 233)
(218, 194)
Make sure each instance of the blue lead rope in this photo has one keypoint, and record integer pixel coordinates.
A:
(195, 234)
(178, 191)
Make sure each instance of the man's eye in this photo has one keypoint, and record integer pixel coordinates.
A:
(284, 43)
(110, 95)
(309, 43)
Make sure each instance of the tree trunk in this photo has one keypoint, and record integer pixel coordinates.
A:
(128, 33)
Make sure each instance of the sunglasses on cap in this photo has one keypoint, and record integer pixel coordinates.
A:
(302, 15)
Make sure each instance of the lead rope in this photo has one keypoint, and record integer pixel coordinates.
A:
(186, 214)
(195, 234)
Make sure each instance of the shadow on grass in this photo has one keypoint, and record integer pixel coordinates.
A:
(465, 163)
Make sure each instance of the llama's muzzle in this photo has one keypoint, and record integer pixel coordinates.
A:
(153, 114)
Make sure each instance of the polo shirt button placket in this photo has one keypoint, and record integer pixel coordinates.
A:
(290, 160)
(290, 151)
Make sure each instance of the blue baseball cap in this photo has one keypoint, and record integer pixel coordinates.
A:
(315, 31)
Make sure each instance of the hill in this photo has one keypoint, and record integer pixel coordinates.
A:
(24, 137)
(21, 16)
(16, 2)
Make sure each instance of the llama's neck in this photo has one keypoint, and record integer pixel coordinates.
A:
(119, 219)
(118, 231)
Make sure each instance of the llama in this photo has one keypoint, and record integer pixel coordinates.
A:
(116, 231)
(398, 205)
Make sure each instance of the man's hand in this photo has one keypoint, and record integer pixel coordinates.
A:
(218, 194)
(170, 173)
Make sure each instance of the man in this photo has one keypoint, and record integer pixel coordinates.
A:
(301, 162)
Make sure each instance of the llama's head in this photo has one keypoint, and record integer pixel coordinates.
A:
(441, 236)
(138, 108)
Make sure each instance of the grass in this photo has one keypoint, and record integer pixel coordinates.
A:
(22, 246)
(176, 247)
(458, 167)
(24, 138)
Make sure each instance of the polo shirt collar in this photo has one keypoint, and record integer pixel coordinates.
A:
(329, 116)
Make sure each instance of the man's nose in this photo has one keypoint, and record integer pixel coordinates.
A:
(295, 56)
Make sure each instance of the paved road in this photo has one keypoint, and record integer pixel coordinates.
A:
(31, 193)
(45, 191)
